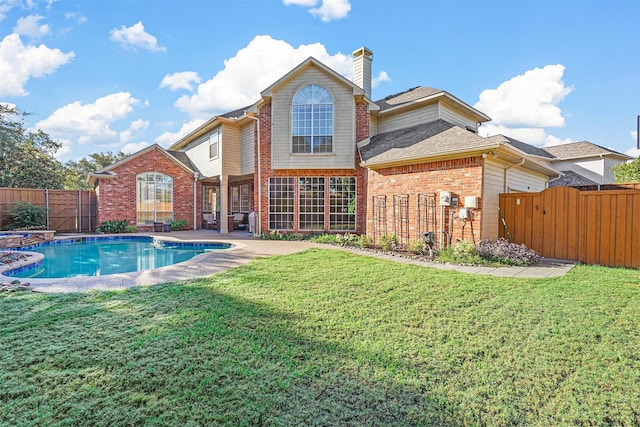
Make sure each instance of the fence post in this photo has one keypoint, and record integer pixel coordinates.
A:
(46, 202)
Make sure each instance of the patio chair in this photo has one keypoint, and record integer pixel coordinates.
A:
(209, 222)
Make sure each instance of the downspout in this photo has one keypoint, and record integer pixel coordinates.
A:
(196, 176)
(509, 167)
(258, 223)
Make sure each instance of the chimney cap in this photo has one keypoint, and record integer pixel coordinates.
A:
(363, 51)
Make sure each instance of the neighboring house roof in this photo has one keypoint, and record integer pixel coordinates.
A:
(571, 179)
(575, 150)
(427, 140)
(522, 146)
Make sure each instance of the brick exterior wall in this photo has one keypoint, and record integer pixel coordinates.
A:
(462, 177)
(117, 196)
(264, 159)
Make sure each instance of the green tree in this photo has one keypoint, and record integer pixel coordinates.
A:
(26, 157)
(627, 172)
(76, 172)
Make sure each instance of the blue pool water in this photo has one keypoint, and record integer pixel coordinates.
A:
(108, 255)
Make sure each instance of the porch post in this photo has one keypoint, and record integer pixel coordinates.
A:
(224, 204)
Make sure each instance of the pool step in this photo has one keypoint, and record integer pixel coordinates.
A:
(28, 241)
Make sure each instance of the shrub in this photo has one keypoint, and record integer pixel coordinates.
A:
(347, 239)
(388, 242)
(464, 249)
(416, 247)
(114, 227)
(364, 241)
(130, 229)
(502, 250)
(179, 224)
(331, 239)
(25, 215)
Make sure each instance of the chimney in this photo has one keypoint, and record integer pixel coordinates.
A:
(362, 69)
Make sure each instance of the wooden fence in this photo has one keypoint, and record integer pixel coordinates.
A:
(67, 210)
(594, 227)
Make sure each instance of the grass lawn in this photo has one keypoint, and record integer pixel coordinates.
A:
(327, 337)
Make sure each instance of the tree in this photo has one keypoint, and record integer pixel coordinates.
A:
(26, 158)
(627, 172)
(76, 172)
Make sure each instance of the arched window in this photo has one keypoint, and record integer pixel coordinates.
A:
(154, 198)
(312, 118)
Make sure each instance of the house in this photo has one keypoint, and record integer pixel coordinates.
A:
(584, 163)
(316, 154)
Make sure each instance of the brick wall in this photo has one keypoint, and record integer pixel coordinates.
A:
(462, 177)
(362, 132)
(117, 196)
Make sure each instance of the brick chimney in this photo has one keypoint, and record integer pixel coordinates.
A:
(362, 69)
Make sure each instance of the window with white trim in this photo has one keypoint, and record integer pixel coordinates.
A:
(311, 203)
(281, 203)
(312, 119)
(154, 198)
(214, 142)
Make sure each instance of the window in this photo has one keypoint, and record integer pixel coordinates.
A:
(311, 203)
(342, 203)
(281, 201)
(210, 199)
(312, 118)
(240, 198)
(154, 197)
(214, 142)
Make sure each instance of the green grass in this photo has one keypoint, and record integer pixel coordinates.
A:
(327, 337)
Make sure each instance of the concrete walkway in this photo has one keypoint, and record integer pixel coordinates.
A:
(244, 250)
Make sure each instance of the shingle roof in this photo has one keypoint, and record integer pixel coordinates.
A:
(580, 149)
(421, 141)
(235, 113)
(522, 146)
(182, 157)
(571, 179)
(409, 95)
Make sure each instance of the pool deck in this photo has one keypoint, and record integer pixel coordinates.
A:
(244, 250)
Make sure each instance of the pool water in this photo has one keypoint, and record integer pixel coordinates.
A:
(102, 256)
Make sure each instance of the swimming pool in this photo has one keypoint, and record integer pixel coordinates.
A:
(98, 256)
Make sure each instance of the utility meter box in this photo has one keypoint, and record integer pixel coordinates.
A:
(465, 214)
(445, 198)
(471, 202)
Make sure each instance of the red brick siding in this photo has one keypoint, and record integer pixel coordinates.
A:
(117, 196)
(462, 177)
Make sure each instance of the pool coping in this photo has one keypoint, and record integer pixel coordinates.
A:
(200, 265)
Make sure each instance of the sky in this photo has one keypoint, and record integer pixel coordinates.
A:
(114, 75)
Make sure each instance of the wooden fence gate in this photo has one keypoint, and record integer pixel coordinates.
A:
(67, 210)
(594, 227)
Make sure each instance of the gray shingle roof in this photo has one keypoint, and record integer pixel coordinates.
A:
(580, 149)
(522, 146)
(409, 95)
(571, 179)
(182, 157)
(235, 113)
(421, 141)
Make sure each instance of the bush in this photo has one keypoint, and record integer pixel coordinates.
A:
(464, 249)
(416, 247)
(331, 239)
(114, 227)
(503, 251)
(179, 224)
(27, 216)
(388, 242)
(364, 242)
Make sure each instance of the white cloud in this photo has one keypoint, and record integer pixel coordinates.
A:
(634, 135)
(328, 10)
(64, 151)
(134, 147)
(169, 138)
(6, 6)
(30, 26)
(382, 77)
(72, 16)
(20, 62)
(89, 123)
(253, 69)
(183, 80)
(525, 105)
(134, 37)
(139, 124)
(527, 100)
